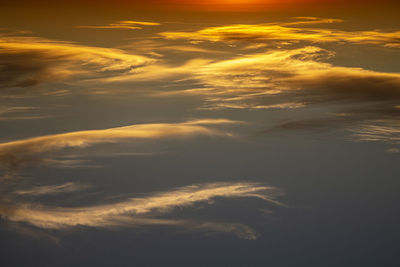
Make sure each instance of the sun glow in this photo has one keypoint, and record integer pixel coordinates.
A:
(224, 4)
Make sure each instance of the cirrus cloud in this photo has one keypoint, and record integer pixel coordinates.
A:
(13, 154)
(143, 211)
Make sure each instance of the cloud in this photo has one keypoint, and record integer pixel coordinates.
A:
(29, 61)
(158, 72)
(144, 23)
(15, 153)
(52, 189)
(311, 20)
(275, 79)
(12, 162)
(144, 210)
(288, 79)
(238, 229)
(20, 113)
(284, 31)
(383, 131)
(123, 25)
(86, 138)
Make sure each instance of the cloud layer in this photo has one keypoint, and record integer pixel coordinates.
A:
(279, 78)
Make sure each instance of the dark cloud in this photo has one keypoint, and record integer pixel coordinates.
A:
(357, 87)
(19, 72)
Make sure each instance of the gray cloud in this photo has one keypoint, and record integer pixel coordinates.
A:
(52, 189)
(383, 131)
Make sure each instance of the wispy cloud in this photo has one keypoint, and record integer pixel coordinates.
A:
(384, 131)
(311, 20)
(123, 25)
(281, 78)
(144, 23)
(15, 153)
(143, 211)
(28, 61)
(86, 138)
(284, 79)
(52, 189)
(285, 31)
(20, 113)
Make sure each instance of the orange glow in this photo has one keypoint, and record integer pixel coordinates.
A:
(229, 4)
(208, 5)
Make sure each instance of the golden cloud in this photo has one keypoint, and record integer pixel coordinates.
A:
(85, 138)
(283, 31)
(281, 79)
(124, 25)
(142, 211)
(28, 61)
(16, 153)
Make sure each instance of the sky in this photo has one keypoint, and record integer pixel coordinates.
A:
(199, 133)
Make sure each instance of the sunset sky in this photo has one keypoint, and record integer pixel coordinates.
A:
(199, 133)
